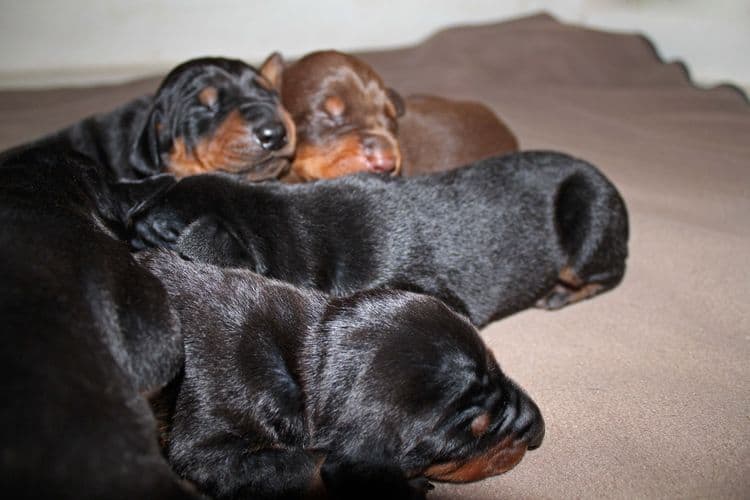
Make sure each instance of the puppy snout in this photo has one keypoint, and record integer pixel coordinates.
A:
(271, 135)
(523, 420)
(379, 154)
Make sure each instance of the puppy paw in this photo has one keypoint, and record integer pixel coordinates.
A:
(420, 486)
(157, 230)
(563, 295)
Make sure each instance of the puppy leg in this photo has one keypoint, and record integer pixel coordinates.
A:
(226, 469)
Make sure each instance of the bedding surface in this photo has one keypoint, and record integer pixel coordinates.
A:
(646, 389)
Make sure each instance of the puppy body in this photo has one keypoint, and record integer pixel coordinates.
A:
(288, 393)
(209, 114)
(85, 332)
(489, 240)
(437, 134)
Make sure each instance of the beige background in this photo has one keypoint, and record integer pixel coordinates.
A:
(47, 42)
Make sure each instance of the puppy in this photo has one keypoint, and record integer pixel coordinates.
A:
(86, 331)
(289, 393)
(491, 239)
(209, 114)
(348, 121)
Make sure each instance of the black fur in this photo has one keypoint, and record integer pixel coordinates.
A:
(489, 239)
(85, 331)
(136, 139)
(289, 393)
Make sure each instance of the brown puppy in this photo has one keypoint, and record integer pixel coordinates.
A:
(439, 134)
(344, 115)
(348, 121)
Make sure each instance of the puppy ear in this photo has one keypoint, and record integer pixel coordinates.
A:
(397, 101)
(271, 70)
(145, 155)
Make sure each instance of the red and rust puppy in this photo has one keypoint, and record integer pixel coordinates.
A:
(290, 393)
(348, 121)
(344, 114)
(209, 114)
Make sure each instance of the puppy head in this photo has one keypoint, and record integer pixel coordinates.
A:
(345, 116)
(215, 114)
(399, 377)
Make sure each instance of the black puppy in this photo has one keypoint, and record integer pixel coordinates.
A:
(489, 239)
(85, 331)
(289, 393)
(209, 114)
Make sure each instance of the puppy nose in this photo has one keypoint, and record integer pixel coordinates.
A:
(523, 419)
(271, 135)
(379, 154)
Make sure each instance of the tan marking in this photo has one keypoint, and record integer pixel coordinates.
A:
(501, 458)
(341, 157)
(272, 69)
(569, 277)
(334, 105)
(230, 148)
(208, 96)
(585, 292)
(480, 424)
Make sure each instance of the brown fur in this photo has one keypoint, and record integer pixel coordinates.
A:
(501, 458)
(338, 104)
(439, 134)
(336, 100)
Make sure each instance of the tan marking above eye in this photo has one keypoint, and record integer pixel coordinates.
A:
(334, 105)
(480, 424)
(208, 96)
(390, 110)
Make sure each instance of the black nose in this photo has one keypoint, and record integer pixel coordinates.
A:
(271, 135)
(523, 419)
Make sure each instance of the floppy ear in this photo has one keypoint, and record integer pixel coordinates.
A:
(145, 156)
(271, 70)
(397, 101)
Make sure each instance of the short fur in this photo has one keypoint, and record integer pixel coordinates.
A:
(437, 134)
(288, 393)
(209, 114)
(490, 239)
(85, 332)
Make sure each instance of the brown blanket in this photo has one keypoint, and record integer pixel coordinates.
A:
(646, 389)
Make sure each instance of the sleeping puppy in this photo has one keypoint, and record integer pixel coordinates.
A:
(490, 239)
(209, 114)
(348, 121)
(86, 332)
(289, 393)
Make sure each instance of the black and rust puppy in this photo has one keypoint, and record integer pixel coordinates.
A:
(289, 393)
(85, 331)
(209, 114)
(489, 239)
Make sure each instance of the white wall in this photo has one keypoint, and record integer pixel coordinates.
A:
(46, 42)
